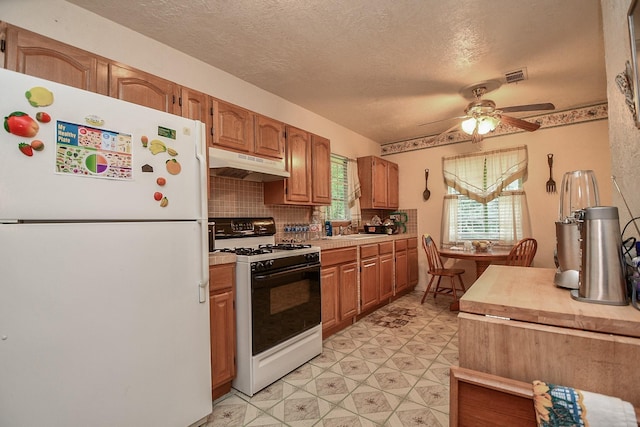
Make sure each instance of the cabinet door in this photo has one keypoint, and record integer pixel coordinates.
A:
(329, 279)
(321, 170)
(142, 88)
(223, 342)
(348, 290)
(386, 276)
(401, 271)
(233, 127)
(269, 137)
(369, 280)
(393, 189)
(380, 196)
(412, 261)
(298, 165)
(39, 56)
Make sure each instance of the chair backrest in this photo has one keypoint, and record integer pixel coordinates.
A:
(433, 256)
(523, 252)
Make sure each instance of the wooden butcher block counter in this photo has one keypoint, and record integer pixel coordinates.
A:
(515, 323)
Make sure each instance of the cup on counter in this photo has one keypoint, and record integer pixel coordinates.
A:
(467, 246)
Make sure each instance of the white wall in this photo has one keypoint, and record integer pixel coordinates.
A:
(70, 24)
(580, 146)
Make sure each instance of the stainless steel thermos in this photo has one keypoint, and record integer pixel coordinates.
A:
(601, 278)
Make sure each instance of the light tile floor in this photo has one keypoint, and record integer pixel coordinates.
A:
(389, 369)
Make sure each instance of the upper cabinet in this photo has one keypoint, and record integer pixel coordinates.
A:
(320, 170)
(269, 137)
(232, 127)
(309, 164)
(378, 182)
(35, 55)
(142, 88)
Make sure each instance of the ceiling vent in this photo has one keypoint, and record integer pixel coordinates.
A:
(516, 75)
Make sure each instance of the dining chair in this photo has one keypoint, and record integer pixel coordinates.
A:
(522, 253)
(437, 269)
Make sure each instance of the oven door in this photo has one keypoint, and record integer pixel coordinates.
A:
(284, 303)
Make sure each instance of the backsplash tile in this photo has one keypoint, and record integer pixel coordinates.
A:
(237, 198)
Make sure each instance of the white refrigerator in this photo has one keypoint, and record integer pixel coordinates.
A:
(104, 314)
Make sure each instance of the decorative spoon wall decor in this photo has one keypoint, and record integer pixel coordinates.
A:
(426, 193)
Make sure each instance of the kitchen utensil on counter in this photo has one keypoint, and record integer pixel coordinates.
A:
(426, 193)
(601, 272)
(579, 190)
(551, 184)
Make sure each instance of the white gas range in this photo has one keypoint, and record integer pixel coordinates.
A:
(278, 301)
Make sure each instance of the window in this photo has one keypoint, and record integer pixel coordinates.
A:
(483, 221)
(486, 199)
(339, 209)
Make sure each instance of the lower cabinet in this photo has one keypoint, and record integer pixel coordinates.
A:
(386, 271)
(369, 276)
(339, 278)
(223, 327)
(402, 271)
(412, 262)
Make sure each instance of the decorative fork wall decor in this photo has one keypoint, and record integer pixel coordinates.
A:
(551, 184)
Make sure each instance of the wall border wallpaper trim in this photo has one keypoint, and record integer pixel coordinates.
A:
(557, 118)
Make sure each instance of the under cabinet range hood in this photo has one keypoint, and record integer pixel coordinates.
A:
(244, 166)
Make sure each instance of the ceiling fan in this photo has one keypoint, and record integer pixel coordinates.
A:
(482, 116)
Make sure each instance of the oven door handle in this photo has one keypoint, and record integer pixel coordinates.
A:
(288, 271)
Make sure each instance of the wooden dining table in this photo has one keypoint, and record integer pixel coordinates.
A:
(482, 259)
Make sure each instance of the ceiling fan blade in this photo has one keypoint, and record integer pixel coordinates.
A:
(528, 107)
(519, 123)
(443, 120)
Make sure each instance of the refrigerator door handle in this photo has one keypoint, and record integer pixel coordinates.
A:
(204, 217)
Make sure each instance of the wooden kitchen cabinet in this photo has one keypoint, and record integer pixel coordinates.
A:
(412, 262)
(320, 170)
(402, 270)
(269, 137)
(308, 160)
(387, 268)
(138, 87)
(39, 56)
(378, 182)
(223, 327)
(339, 278)
(232, 127)
(369, 276)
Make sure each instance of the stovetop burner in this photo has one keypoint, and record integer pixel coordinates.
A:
(246, 251)
(286, 246)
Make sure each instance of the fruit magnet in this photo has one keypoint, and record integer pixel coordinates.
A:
(39, 96)
(21, 124)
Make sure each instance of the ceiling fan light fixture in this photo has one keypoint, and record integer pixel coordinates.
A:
(487, 124)
(469, 125)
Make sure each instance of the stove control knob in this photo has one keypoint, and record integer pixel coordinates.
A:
(268, 263)
(313, 257)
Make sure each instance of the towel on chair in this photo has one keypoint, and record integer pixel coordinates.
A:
(560, 406)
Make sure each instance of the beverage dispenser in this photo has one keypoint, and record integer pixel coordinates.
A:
(579, 191)
(602, 268)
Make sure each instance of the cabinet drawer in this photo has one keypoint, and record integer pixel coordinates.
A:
(401, 245)
(339, 256)
(412, 243)
(221, 276)
(386, 247)
(367, 251)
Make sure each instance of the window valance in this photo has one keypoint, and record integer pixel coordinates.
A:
(483, 176)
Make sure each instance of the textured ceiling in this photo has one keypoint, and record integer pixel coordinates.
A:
(382, 67)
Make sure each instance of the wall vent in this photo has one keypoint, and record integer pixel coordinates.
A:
(516, 75)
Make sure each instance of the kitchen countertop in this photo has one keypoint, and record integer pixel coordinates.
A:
(325, 244)
(357, 240)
